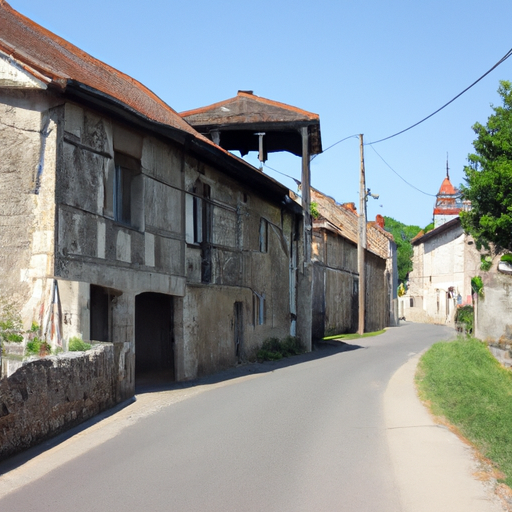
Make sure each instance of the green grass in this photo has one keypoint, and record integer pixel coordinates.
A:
(77, 345)
(353, 336)
(464, 383)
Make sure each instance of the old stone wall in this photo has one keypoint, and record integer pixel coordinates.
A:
(48, 396)
(27, 181)
(493, 311)
(335, 286)
(377, 294)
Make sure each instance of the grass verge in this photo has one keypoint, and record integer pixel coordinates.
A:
(463, 382)
(353, 336)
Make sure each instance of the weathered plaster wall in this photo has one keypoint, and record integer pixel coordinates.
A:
(446, 261)
(47, 396)
(240, 272)
(494, 310)
(27, 182)
(335, 286)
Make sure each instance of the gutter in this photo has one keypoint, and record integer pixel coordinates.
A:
(221, 159)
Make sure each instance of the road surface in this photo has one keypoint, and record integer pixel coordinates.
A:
(305, 434)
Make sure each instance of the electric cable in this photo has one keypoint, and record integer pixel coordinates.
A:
(503, 59)
(403, 179)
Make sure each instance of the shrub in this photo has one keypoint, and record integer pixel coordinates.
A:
(11, 327)
(274, 348)
(465, 315)
(76, 344)
(477, 286)
(38, 347)
(485, 263)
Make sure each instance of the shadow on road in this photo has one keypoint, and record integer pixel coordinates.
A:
(153, 382)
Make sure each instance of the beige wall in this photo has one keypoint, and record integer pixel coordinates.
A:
(446, 261)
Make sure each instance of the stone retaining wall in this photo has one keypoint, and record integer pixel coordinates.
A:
(50, 395)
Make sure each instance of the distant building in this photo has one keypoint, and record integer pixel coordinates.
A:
(444, 261)
(448, 203)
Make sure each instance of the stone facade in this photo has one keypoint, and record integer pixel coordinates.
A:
(335, 272)
(493, 322)
(122, 224)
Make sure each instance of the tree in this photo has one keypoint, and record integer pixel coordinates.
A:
(403, 235)
(489, 177)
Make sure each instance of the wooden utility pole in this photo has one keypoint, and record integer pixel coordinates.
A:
(361, 245)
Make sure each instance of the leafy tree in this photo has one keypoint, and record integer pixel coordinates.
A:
(489, 177)
(403, 235)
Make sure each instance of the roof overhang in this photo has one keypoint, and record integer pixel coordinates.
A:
(229, 164)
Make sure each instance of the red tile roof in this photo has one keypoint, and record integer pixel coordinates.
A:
(41, 52)
(447, 188)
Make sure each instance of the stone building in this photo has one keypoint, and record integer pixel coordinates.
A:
(335, 272)
(444, 261)
(121, 223)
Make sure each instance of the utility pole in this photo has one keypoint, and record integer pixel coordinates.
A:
(361, 245)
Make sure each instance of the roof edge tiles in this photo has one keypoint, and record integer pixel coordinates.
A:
(244, 94)
(78, 75)
(60, 61)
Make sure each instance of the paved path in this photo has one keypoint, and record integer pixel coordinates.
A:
(339, 429)
(434, 469)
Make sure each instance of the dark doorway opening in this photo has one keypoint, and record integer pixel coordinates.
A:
(154, 338)
(101, 307)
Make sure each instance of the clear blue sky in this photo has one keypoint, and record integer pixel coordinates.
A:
(365, 67)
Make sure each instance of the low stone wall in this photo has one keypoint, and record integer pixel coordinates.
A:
(50, 395)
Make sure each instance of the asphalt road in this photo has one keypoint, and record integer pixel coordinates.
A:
(305, 434)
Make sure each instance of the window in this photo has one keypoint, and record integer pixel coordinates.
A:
(128, 191)
(258, 303)
(202, 213)
(199, 225)
(263, 235)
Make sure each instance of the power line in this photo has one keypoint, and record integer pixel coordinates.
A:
(282, 173)
(503, 59)
(332, 145)
(403, 179)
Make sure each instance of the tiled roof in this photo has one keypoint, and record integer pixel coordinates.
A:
(41, 52)
(241, 106)
(447, 189)
(247, 113)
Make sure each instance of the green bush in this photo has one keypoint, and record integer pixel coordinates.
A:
(274, 349)
(11, 326)
(485, 263)
(38, 347)
(477, 285)
(313, 210)
(465, 315)
(76, 344)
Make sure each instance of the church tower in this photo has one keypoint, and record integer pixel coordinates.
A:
(448, 202)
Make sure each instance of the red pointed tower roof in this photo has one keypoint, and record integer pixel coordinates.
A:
(447, 189)
(448, 204)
